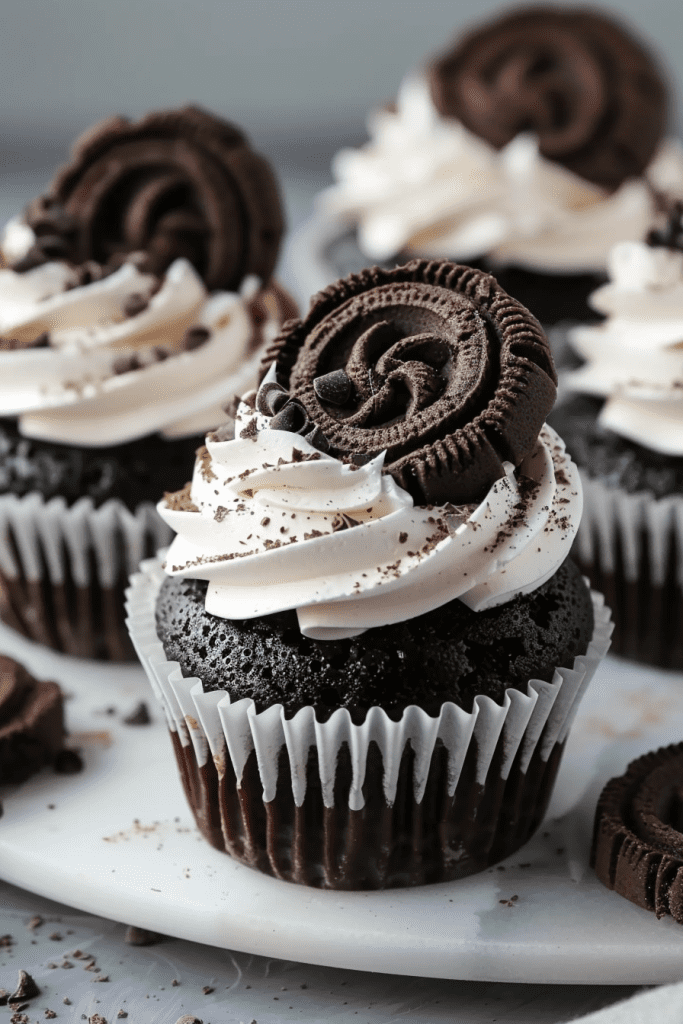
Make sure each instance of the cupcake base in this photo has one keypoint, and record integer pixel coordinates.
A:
(631, 547)
(382, 845)
(64, 570)
(86, 622)
(382, 803)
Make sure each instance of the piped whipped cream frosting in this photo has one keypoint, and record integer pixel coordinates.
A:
(272, 523)
(634, 359)
(425, 185)
(130, 354)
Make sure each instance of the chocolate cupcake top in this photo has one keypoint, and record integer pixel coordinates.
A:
(638, 836)
(588, 90)
(432, 363)
(632, 358)
(536, 141)
(393, 459)
(137, 292)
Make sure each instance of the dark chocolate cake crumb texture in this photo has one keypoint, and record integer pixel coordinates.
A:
(135, 472)
(638, 836)
(589, 91)
(450, 654)
(431, 362)
(176, 183)
(139, 715)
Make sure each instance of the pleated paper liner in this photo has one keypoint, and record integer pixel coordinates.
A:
(64, 570)
(631, 548)
(385, 803)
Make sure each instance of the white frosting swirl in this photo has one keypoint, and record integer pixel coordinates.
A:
(426, 186)
(78, 389)
(279, 525)
(635, 358)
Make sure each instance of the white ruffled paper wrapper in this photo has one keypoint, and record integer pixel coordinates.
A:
(216, 728)
(647, 626)
(52, 545)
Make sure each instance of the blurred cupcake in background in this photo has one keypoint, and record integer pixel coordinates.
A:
(529, 148)
(623, 424)
(135, 302)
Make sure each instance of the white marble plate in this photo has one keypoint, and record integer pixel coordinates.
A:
(118, 840)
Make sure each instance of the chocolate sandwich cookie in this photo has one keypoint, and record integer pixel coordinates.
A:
(591, 93)
(432, 363)
(638, 838)
(31, 722)
(176, 183)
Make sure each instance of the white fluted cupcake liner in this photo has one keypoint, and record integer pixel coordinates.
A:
(631, 547)
(63, 569)
(486, 747)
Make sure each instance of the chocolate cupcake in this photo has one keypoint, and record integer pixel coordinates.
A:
(136, 302)
(623, 425)
(638, 839)
(368, 639)
(529, 148)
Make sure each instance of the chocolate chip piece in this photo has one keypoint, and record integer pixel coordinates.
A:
(292, 417)
(126, 364)
(68, 762)
(335, 387)
(270, 398)
(141, 937)
(344, 522)
(26, 988)
(135, 304)
(316, 437)
(139, 716)
(195, 337)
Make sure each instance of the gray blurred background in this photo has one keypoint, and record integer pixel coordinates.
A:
(298, 75)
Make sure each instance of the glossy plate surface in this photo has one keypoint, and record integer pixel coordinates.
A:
(118, 840)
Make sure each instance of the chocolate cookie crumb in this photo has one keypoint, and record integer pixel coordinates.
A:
(68, 762)
(141, 936)
(26, 988)
(139, 716)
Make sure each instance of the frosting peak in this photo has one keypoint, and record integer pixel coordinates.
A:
(425, 184)
(129, 354)
(272, 523)
(634, 360)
